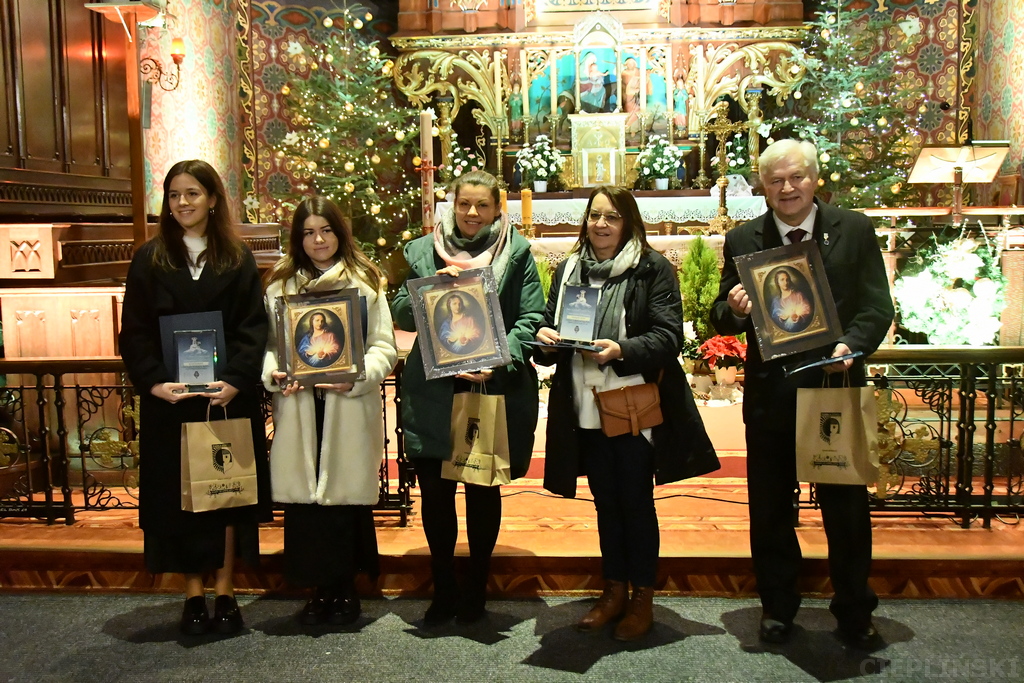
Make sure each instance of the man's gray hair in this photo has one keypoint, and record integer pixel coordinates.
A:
(800, 151)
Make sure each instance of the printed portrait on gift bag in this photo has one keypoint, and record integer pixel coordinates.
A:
(831, 424)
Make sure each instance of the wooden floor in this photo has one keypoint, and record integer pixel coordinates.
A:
(550, 545)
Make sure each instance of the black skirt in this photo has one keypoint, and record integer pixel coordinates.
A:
(327, 545)
(199, 551)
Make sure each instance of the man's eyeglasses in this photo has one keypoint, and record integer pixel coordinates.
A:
(609, 218)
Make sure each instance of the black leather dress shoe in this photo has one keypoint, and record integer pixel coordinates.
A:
(774, 631)
(861, 636)
(315, 610)
(227, 618)
(195, 619)
(344, 608)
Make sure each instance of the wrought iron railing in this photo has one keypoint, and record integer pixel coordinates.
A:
(69, 440)
(950, 431)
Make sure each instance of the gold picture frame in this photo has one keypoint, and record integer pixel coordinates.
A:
(320, 338)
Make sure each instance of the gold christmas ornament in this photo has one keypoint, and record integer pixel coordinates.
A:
(797, 95)
(434, 131)
(821, 182)
(329, 58)
(854, 121)
(416, 161)
(369, 142)
(313, 66)
(349, 167)
(882, 121)
(375, 159)
(825, 158)
(830, 19)
(439, 194)
(349, 106)
(400, 135)
(859, 86)
(381, 242)
(324, 143)
(375, 209)
(835, 177)
(922, 109)
(847, 103)
(825, 33)
(374, 52)
(896, 188)
(285, 90)
(311, 165)
(279, 154)
(349, 187)
(328, 22)
(368, 17)
(795, 69)
(406, 235)
(357, 24)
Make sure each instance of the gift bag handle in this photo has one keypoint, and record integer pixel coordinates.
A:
(210, 405)
(846, 380)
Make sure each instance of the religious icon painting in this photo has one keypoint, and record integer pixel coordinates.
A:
(792, 304)
(320, 337)
(459, 323)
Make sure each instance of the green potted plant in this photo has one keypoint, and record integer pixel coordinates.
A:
(539, 163)
(659, 160)
(698, 286)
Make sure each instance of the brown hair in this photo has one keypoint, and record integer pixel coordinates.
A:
(224, 247)
(632, 222)
(481, 178)
(297, 259)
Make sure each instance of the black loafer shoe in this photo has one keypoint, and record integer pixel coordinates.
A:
(316, 608)
(861, 636)
(195, 619)
(774, 631)
(227, 618)
(344, 609)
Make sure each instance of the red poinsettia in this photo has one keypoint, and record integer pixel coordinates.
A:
(723, 351)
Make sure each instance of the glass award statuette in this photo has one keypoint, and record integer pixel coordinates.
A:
(579, 313)
(197, 358)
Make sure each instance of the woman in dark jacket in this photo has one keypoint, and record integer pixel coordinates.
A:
(638, 329)
(195, 264)
(474, 234)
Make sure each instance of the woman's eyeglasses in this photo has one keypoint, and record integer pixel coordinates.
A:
(609, 218)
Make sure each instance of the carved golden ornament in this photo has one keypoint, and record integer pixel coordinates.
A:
(105, 444)
(9, 446)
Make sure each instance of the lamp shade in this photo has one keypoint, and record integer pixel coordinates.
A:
(178, 50)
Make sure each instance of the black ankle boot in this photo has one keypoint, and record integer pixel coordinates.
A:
(315, 610)
(345, 607)
(195, 619)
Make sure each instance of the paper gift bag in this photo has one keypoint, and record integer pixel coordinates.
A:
(836, 436)
(479, 435)
(218, 466)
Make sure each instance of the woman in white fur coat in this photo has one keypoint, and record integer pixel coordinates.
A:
(328, 440)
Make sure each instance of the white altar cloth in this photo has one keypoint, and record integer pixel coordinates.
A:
(653, 209)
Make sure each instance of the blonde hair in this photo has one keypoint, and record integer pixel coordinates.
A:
(788, 150)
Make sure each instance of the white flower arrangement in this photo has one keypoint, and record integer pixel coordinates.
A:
(539, 161)
(463, 159)
(659, 159)
(953, 292)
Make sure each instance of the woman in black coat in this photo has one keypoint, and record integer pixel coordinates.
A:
(195, 264)
(638, 330)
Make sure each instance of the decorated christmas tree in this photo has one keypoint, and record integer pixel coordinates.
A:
(857, 105)
(348, 138)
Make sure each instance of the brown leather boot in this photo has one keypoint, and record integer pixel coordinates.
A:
(610, 605)
(639, 615)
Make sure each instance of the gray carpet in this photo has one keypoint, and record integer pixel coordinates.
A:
(113, 638)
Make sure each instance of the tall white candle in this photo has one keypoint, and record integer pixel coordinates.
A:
(427, 170)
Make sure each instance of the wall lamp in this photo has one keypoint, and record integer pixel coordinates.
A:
(153, 71)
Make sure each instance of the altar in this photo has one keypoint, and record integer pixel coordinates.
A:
(681, 210)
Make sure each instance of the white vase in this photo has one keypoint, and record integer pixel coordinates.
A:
(725, 375)
(540, 186)
(661, 183)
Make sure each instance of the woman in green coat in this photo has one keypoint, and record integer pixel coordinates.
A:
(474, 234)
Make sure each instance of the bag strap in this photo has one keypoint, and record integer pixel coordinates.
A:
(210, 405)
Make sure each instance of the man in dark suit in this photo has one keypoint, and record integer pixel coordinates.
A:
(856, 275)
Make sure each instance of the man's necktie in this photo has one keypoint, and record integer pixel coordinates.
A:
(796, 235)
